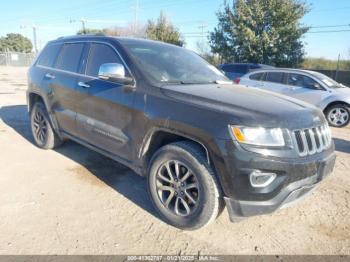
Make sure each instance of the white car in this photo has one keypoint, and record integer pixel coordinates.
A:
(312, 87)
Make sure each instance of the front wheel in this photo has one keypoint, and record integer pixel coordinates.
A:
(338, 115)
(183, 186)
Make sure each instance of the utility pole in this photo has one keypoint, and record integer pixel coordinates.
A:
(202, 26)
(83, 21)
(34, 36)
(35, 39)
(136, 9)
(336, 72)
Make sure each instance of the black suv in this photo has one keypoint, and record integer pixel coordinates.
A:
(161, 110)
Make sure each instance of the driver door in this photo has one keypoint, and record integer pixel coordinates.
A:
(104, 111)
(305, 88)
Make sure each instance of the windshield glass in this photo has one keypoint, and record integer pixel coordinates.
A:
(329, 82)
(165, 63)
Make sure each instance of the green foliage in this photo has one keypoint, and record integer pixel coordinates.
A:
(163, 30)
(16, 43)
(257, 31)
(325, 64)
(91, 31)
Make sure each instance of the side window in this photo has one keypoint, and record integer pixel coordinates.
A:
(100, 54)
(70, 57)
(275, 77)
(310, 83)
(256, 76)
(48, 55)
(295, 80)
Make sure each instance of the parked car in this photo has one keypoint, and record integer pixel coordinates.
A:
(312, 87)
(235, 70)
(167, 114)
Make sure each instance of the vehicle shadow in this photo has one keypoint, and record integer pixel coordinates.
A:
(115, 175)
(342, 145)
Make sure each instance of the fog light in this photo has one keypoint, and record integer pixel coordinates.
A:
(261, 179)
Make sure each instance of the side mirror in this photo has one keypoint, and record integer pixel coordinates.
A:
(316, 86)
(114, 72)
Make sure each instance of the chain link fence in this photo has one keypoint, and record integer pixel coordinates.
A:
(16, 59)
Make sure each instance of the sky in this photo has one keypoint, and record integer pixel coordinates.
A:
(59, 18)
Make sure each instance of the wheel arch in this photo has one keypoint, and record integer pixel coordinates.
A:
(34, 97)
(159, 137)
(333, 103)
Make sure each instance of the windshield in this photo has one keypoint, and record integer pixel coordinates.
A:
(165, 63)
(329, 82)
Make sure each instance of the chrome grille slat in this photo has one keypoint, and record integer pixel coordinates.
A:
(312, 140)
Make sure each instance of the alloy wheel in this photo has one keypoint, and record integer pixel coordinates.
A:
(177, 188)
(338, 116)
(40, 127)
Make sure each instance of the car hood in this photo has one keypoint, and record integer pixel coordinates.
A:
(342, 91)
(248, 106)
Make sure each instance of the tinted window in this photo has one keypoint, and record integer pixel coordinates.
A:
(48, 55)
(100, 54)
(275, 77)
(235, 68)
(70, 57)
(256, 76)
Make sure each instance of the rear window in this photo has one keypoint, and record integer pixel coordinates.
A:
(256, 76)
(235, 68)
(48, 55)
(275, 77)
(70, 57)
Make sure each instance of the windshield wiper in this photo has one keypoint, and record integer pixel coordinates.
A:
(222, 82)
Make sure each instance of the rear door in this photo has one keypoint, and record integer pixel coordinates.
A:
(103, 113)
(275, 82)
(62, 82)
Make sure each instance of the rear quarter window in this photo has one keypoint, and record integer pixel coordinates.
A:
(48, 55)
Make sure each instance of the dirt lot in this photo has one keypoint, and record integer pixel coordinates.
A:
(75, 201)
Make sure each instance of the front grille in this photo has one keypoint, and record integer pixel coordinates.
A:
(312, 140)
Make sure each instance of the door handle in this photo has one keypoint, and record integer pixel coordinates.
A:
(84, 85)
(49, 76)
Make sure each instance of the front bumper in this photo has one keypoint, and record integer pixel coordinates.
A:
(296, 177)
(290, 194)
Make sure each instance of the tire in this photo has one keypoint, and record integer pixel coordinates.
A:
(42, 131)
(338, 115)
(196, 186)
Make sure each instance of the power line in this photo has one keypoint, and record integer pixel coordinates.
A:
(328, 31)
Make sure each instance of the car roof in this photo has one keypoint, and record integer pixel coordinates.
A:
(256, 64)
(285, 70)
(89, 37)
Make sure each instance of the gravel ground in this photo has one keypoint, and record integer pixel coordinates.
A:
(75, 201)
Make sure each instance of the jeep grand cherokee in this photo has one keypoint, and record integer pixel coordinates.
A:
(163, 111)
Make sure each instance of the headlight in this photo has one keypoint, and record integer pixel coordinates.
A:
(258, 136)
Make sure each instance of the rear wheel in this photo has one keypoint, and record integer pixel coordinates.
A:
(338, 115)
(42, 131)
(183, 187)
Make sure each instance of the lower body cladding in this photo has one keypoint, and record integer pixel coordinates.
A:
(255, 184)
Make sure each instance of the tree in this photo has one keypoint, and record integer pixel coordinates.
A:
(163, 30)
(257, 31)
(16, 43)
